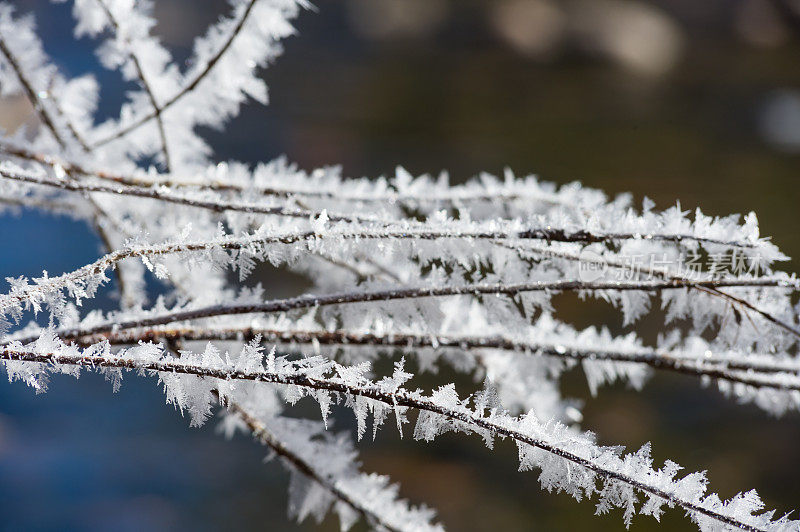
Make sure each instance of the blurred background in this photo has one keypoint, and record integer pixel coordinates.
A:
(676, 100)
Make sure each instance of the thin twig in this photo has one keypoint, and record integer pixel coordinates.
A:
(71, 167)
(38, 102)
(52, 95)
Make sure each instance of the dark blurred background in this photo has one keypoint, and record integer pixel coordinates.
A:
(678, 99)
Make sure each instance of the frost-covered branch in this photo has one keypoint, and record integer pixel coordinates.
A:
(158, 110)
(31, 74)
(136, 62)
(770, 381)
(84, 281)
(71, 168)
(695, 363)
(371, 508)
(167, 196)
(547, 233)
(570, 462)
(476, 191)
(31, 93)
(344, 298)
(222, 75)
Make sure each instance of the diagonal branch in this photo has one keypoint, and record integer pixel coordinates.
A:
(266, 438)
(134, 58)
(38, 102)
(158, 111)
(31, 94)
